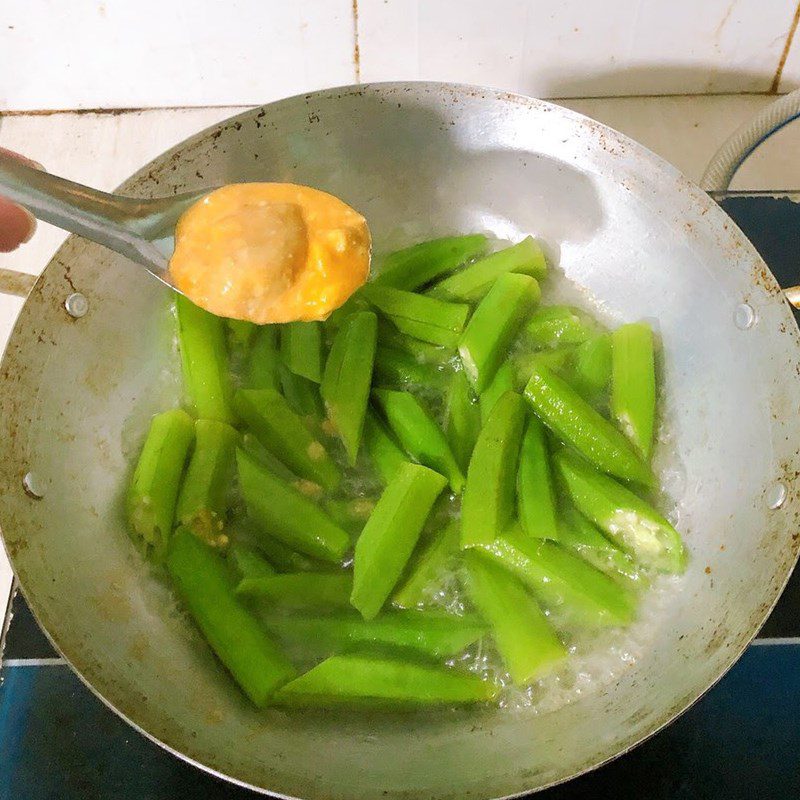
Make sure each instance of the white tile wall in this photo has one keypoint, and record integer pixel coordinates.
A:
(153, 53)
(578, 49)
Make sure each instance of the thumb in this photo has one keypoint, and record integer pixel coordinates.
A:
(17, 225)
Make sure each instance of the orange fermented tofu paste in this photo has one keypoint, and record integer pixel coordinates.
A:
(270, 252)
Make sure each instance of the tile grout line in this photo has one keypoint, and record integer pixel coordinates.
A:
(356, 48)
(776, 81)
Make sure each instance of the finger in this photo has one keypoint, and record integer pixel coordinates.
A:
(17, 225)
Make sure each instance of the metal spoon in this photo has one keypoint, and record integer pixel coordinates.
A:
(141, 230)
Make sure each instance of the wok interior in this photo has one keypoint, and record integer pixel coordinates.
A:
(417, 160)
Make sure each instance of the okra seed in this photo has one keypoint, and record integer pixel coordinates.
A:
(744, 316)
(776, 496)
(32, 486)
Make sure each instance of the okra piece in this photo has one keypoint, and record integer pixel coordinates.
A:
(201, 580)
(472, 282)
(581, 536)
(419, 434)
(463, 419)
(383, 451)
(488, 504)
(591, 366)
(425, 318)
(575, 422)
(502, 382)
(202, 501)
(433, 634)
(280, 510)
(303, 397)
(241, 331)
(427, 567)
(422, 352)
(562, 581)
(389, 537)
(381, 680)
(283, 433)
(415, 266)
(263, 360)
(400, 368)
(301, 590)
(348, 377)
(204, 359)
(536, 501)
(485, 342)
(153, 491)
(527, 644)
(625, 518)
(257, 451)
(350, 514)
(553, 326)
(284, 558)
(559, 360)
(633, 384)
(301, 349)
(247, 562)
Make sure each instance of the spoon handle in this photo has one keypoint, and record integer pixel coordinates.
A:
(108, 219)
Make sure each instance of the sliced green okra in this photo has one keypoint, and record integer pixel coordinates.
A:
(280, 510)
(203, 499)
(299, 590)
(202, 581)
(582, 537)
(527, 644)
(263, 360)
(488, 504)
(383, 451)
(389, 537)
(574, 421)
(241, 332)
(428, 633)
(204, 359)
(247, 562)
(303, 397)
(373, 679)
(283, 433)
(425, 318)
(419, 434)
(422, 352)
(256, 450)
(284, 558)
(463, 419)
(563, 581)
(472, 282)
(625, 518)
(350, 514)
(485, 342)
(559, 360)
(591, 366)
(536, 500)
(427, 567)
(301, 349)
(348, 377)
(421, 263)
(553, 326)
(153, 491)
(400, 368)
(502, 382)
(633, 384)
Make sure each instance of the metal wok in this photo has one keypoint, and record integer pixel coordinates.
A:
(418, 159)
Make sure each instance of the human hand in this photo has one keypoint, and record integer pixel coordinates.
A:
(17, 225)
